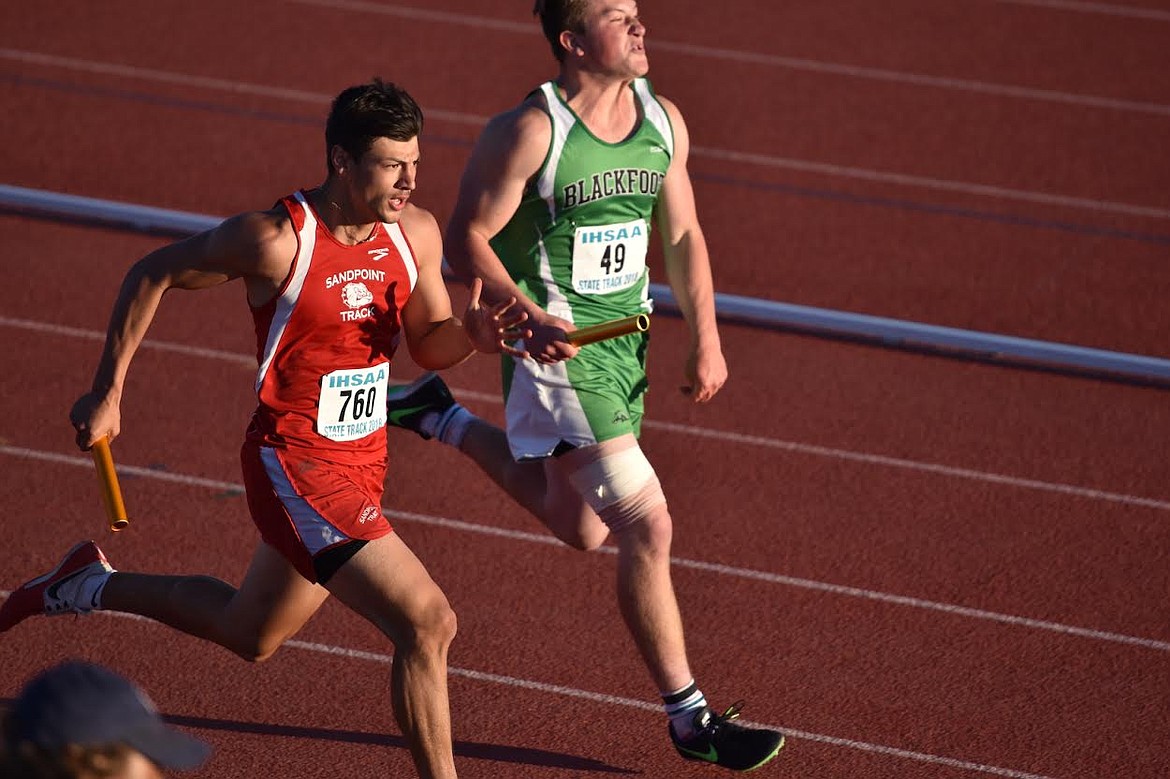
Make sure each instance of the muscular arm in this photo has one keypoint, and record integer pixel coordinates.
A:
(257, 246)
(435, 337)
(688, 267)
(507, 155)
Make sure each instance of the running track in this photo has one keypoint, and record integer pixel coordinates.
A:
(919, 567)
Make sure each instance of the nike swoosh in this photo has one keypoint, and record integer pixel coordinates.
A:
(52, 590)
(399, 413)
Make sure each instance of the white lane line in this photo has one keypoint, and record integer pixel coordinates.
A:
(918, 79)
(914, 465)
(725, 155)
(790, 63)
(98, 336)
(201, 82)
(719, 435)
(925, 182)
(1108, 9)
(807, 584)
(680, 562)
(632, 703)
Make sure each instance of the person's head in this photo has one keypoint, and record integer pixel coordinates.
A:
(81, 721)
(603, 35)
(371, 146)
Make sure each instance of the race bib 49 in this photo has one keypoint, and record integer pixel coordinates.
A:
(608, 258)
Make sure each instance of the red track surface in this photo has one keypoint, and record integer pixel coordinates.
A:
(922, 567)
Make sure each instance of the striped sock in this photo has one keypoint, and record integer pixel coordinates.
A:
(452, 426)
(681, 706)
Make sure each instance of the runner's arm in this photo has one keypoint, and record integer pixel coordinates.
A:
(248, 245)
(688, 267)
(507, 155)
(435, 337)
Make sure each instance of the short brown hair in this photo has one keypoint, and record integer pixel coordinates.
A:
(556, 16)
(362, 114)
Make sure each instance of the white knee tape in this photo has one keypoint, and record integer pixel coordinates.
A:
(620, 486)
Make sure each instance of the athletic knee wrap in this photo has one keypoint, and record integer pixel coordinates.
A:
(620, 485)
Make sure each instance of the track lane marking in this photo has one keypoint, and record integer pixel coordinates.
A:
(1107, 9)
(790, 63)
(938, 185)
(680, 562)
(723, 155)
(848, 455)
(632, 703)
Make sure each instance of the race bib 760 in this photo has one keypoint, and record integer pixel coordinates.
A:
(353, 402)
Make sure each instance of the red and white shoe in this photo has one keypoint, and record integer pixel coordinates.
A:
(57, 591)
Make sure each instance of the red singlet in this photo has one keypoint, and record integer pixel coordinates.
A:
(314, 458)
(324, 343)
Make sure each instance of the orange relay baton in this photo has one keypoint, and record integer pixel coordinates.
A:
(639, 323)
(111, 492)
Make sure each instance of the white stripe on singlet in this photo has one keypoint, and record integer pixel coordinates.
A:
(655, 113)
(315, 531)
(306, 241)
(394, 231)
(562, 122)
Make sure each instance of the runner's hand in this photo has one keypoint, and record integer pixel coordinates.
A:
(491, 328)
(549, 342)
(706, 373)
(93, 416)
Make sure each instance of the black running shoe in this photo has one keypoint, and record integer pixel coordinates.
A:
(406, 404)
(725, 743)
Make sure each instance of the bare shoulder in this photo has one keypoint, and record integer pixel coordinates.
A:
(422, 230)
(525, 124)
(256, 243)
(531, 119)
(517, 140)
(417, 220)
(257, 231)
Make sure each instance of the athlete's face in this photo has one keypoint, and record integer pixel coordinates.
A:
(615, 39)
(383, 179)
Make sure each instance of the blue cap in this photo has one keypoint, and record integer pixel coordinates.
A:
(86, 704)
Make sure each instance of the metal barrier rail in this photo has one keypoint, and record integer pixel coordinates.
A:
(826, 323)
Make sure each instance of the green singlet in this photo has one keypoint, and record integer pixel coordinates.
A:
(577, 246)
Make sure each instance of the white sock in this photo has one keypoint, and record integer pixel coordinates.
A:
(452, 425)
(681, 706)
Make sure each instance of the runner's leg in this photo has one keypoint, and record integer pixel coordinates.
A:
(272, 603)
(645, 592)
(385, 583)
(535, 485)
(647, 601)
